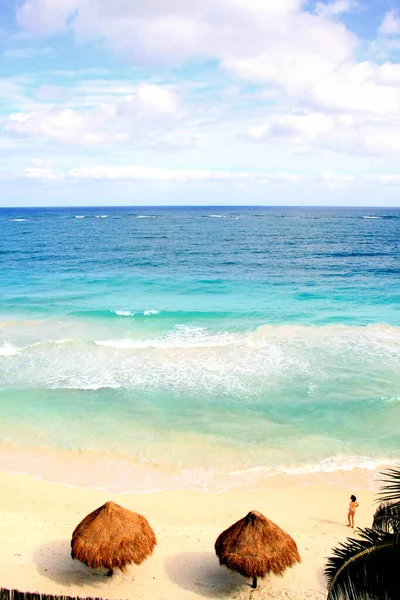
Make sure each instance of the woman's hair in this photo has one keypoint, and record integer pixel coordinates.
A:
(353, 498)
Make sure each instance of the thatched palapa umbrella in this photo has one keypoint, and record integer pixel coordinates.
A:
(112, 536)
(255, 546)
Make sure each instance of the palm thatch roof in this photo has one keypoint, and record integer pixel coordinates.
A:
(112, 536)
(255, 546)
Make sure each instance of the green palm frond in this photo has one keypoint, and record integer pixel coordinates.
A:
(387, 517)
(391, 489)
(365, 568)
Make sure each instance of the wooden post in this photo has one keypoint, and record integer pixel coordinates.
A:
(254, 586)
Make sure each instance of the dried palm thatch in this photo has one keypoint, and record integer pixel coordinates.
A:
(255, 546)
(112, 536)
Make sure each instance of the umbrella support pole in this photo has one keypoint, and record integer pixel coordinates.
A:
(254, 586)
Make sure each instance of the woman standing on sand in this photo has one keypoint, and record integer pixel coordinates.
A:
(352, 511)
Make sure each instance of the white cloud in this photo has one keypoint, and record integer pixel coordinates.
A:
(177, 30)
(45, 16)
(388, 74)
(66, 126)
(336, 178)
(309, 57)
(43, 173)
(335, 8)
(338, 132)
(127, 118)
(332, 83)
(11, 90)
(391, 179)
(359, 87)
(183, 177)
(340, 179)
(313, 95)
(390, 25)
(24, 53)
(301, 128)
(49, 93)
(40, 162)
(142, 173)
(153, 100)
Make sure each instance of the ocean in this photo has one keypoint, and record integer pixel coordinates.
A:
(166, 348)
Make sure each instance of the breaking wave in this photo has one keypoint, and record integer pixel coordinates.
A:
(197, 360)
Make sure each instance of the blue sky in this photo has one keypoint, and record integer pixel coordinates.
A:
(186, 102)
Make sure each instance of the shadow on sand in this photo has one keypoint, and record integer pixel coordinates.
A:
(328, 522)
(201, 573)
(53, 561)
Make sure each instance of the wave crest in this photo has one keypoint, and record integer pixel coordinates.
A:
(197, 360)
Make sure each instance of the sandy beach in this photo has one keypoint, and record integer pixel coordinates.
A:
(37, 519)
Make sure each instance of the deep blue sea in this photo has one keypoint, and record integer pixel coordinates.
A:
(153, 348)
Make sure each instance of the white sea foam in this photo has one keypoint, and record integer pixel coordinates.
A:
(45, 343)
(371, 217)
(118, 473)
(331, 338)
(333, 464)
(101, 216)
(79, 216)
(197, 362)
(17, 220)
(123, 344)
(8, 350)
(129, 313)
(223, 217)
(146, 217)
(90, 386)
(256, 376)
(170, 342)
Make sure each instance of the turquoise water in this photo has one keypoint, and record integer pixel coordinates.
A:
(147, 348)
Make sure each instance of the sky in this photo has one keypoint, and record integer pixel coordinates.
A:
(163, 102)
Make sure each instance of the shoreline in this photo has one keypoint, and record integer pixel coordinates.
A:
(121, 474)
(37, 520)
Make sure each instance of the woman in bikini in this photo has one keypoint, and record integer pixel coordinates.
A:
(352, 511)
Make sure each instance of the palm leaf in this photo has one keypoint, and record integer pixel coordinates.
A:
(365, 568)
(391, 489)
(387, 517)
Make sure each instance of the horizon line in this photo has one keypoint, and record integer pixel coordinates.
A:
(205, 206)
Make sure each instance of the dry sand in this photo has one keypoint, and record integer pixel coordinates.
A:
(37, 519)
